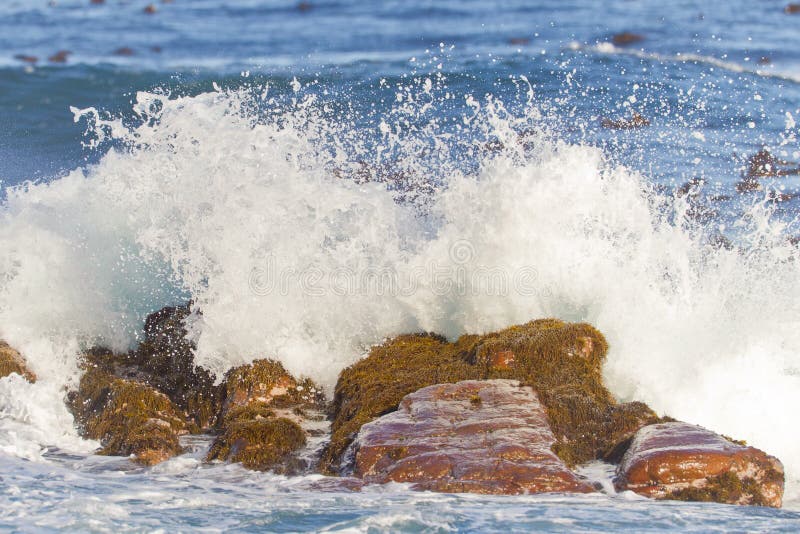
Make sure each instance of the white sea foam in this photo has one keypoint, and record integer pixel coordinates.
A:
(246, 213)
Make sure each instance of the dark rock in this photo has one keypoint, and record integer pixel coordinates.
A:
(487, 436)
(764, 60)
(150, 9)
(12, 361)
(792, 9)
(519, 41)
(27, 59)
(636, 121)
(304, 7)
(124, 51)
(167, 357)
(129, 418)
(60, 56)
(687, 462)
(626, 38)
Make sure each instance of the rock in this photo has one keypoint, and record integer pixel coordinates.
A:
(166, 355)
(519, 41)
(636, 121)
(266, 417)
(687, 462)
(562, 362)
(304, 7)
(626, 38)
(375, 385)
(97, 2)
(12, 361)
(764, 60)
(150, 9)
(27, 59)
(792, 9)
(124, 51)
(129, 418)
(60, 56)
(473, 436)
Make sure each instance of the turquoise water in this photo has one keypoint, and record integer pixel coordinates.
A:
(240, 135)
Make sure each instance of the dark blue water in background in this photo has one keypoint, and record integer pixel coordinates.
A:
(716, 80)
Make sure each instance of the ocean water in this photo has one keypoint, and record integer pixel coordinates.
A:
(319, 179)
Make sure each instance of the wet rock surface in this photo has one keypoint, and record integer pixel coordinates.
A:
(128, 418)
(267, 418)
(474, 436)
(561, 361)
(687, 462)
(12, 361)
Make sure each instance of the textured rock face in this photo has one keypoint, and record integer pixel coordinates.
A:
(12, 362)
(473, 436)
(266, 418)
(129, 418)
(561, 361)
(687, 462)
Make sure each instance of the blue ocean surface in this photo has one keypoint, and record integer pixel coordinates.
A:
(169, 156)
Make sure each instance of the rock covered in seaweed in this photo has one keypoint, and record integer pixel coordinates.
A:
(488, 436)
(12, 361)
(127, 417)
(266, 417)
(561, 361)
(687, 462)
(166, 355)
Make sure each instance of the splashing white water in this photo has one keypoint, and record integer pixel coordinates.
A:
(249, 216)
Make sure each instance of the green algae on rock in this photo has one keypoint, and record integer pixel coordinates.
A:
(12, 361)
(128, 418)
(561, 361)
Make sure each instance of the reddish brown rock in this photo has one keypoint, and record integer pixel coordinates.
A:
(792, 9)
(502, 360)
(626, 38)
(124, 51)
(489, 436)
(150, 9)
(687, 462)
(11, 361)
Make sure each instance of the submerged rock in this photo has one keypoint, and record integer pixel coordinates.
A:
(561, 361)
(266, 417)
(487, 436)
(128, 418)
(12, 361)
(626, 38)
(687, 462)
(636, 121)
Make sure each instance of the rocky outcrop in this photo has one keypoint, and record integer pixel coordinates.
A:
(560, 361)
(167, 356)
(128, 418)
(687, 462)
(12, 361)
(266, 417)
(474, 436)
